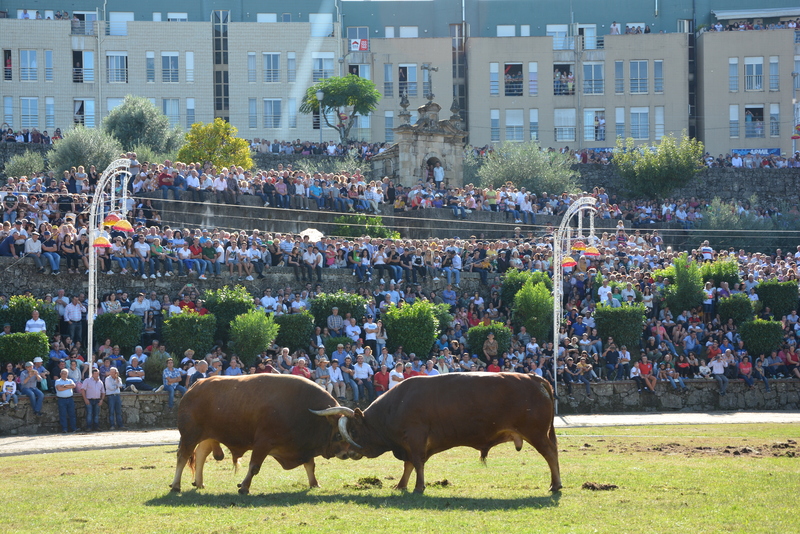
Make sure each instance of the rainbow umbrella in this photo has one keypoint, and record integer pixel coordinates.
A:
(579, 245)
(101, 242)
(123, 226)
(591, 251)
(111, 219)
(569, 262)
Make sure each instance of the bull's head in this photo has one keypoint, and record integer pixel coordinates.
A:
(345, 414)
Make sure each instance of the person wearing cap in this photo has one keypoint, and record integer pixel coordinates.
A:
(429, 369)
(65, 389)
(347, 373)
(322, 375)
(171, 381)
(50, 252)
(6, 329)
(93, 392)
(371, 334)
(29, 385)
(409, 371)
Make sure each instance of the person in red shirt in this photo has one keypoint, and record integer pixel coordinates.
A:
(646, 370)
(200, 307)
(301, 369)
(494, 367)
(409, 372)
(713, 351)
(381, 381)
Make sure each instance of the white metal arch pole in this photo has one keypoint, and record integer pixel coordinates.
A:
(114, 169)
(560, 242)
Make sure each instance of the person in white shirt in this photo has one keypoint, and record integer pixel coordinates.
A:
(337, 380)
(35, 324)
(352, 330)
(396, 376)
(33, 250)
(717, 366)
(362, 376)
(268, 301)
(371, 334)
(73, 316)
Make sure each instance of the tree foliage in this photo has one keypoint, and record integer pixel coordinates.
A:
(737, 225)
(477, 335)
(414, 326)
(137, 121)
(227, 303)
(781, 297)
(514, 279)
(533, 309)
(344, 97)
(348, 163)
(761, 337)
(123, 329)
(686, 290)
(24, 347)
(216, 142)
(655, 173)
(624, 324)
(189, 330)
(84, 146)
(25, 164)
(252, 333)
(527, 165)
(721, 270)
(360, 225)
(321, 306)
(737, 307)
(295, 331)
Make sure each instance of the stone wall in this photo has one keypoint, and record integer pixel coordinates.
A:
(148, 410)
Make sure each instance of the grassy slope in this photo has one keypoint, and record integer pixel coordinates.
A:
(666, 484)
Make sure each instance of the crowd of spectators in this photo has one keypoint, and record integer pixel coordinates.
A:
(746, 25)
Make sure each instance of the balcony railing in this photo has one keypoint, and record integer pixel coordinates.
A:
(754, 82)
(82, 27)
(513, 87)
(774, 82)
(81, 75)
(7, 74)
(754, 129)
(564, 133)
(322, 74)
(564, 43)
(593, 86)
(564, 88)
(409, 88)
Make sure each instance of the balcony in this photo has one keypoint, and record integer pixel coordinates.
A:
(564, 133)
(81, 75)
(82, 27)
(754, 82)
(513, 87)
(754, 129)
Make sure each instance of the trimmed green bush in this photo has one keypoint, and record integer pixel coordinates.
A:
(332, 342)
(123, 329)
(686, 288)
(295, 331)
(190, 330)
(25, 164)
(477, 335)
(761, 337)
(24, 347)
(722, 270)
(252, 333)
(413, 326)
(154, 368)
(737, 307)
(515, 279)
(443, 317)
(533, 309)
(321, 306)
(624, 324)
(227, 303)
(19, 312)
(781, 297)
(361, 225)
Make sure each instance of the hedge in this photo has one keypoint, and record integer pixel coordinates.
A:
(686, 288)
(761, 337)
(190, 330)
(20, 309)
(321, 306)
(514, 280)
(781, 297)
(443, 317)
(332, 342)
(738, 307)
(154, 368)
(478, 334)
(721, 270)
(226, 303)
(123, 329)
(24, 347)
(624, 324)
(533, 309)
(252, 333)
(295, 331)
(413, 326)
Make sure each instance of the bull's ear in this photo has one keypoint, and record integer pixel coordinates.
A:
(358, 414)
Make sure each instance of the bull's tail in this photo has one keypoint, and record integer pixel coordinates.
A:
(551, 433)
(191, 463)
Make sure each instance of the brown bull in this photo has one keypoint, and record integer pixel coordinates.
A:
(423, 416)
(268, 414)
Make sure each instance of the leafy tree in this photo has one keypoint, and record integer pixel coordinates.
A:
(413, 326)
(527, 165)
(477, 335)
(321, 306)
(533, 309)
(686, 290)
(624, 324)
(137, 121)
(721, 270)
(216, 142)
(190, 330)
(123, 329)
(359, 225)
(154, 368)
(25, 164)
(737, 307)
(145, 153)
(24, 347)
(781, 297)
(514, 279)
(761, 337)
(227, 303)
(252, 333)
(443, 317)
(655, 173)
(84, 146)
(295, 331)
(344, 98)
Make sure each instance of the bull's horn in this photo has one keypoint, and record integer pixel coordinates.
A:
(345, 434)
(335, 410)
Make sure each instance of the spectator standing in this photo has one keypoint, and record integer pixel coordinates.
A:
(718, 365)
(73, 316)
(66, 403)
(113, 388)
(93, 392)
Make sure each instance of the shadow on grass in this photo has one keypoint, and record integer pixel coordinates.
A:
(396, 499)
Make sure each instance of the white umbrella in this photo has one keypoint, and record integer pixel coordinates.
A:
(313, 234)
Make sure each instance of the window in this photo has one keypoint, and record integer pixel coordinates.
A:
(321, 24)
(754, 121)
(357, 32)
(150, 66)
(8, 110)
(112, 103)
(388, 126)
(292, 112)
(286, 17)
(563, 79)
(533, 124)
(388, 80)
(28, 67)
(753, 74)
(169, 67)
(189, 112)
(172, 109)
(117, 67)
(388, 32)
(774, 74)
(362, 71)
(409, 32)
(733, 120)
(638, 71)
(594, 125)
(83, 112)
(266, 17)
(407, 76)
(506, 30)
(494, 125)
(525, 30)
(564, 120)
(512, 75)
(619, 77)
(48, 65)
(323, 65)
(659, 133)
(559, 34)
(49, 112)
(7, 70)
(640, 123)
(291, 67)
(177, 17)
(156, 16)
(272, 113)
(593, 78)
(533, 78)
(684, 25)
(514, 125)
(733, 74)
(658, 76)
(118, 22)
(774, 120)
(619, 121)
(29, 112)
(252, 113)
(251, 67)
(494, 79)
(189, 67)
(796, 69)
(361, 122)
(82, 66)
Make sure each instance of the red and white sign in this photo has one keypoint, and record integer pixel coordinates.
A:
(359, 45)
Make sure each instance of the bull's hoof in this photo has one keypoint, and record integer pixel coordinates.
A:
(555, 488)
(175, 489)
(401, 488)
(419, 491)
(243, 491)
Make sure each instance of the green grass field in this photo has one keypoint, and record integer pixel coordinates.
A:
(695, 479)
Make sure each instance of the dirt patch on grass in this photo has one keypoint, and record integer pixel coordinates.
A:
(782, 448)
(439, 484)
(594, 486)
(366, 483)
